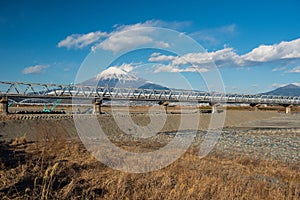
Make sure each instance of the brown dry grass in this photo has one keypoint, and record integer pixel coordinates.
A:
(62, 169)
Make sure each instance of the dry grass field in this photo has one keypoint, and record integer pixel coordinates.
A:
(63, 169)
(41, 158)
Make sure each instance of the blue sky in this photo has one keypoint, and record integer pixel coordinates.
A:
(47, 41)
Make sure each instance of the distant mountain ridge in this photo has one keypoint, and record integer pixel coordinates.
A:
(288, 90)
(116, 77)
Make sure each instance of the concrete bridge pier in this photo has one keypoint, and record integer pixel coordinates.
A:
(4, 106)
(288, 108)
(165, 105)
(255, 106)
(214, 106)
(97, 106)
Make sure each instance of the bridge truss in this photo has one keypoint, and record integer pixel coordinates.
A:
(60, 91)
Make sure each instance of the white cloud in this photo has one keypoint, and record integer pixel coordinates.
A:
(37, 69)
(222, 57)
(177, 69)
(296, 83)
(165, 68)
(155, 54)
(79, 41)
(157, 57)
(130, 36)
(162, 44)
(294, 70)
(268, 53)
(278, 85)
(276, 69)
(176, 25)
(127, 67)
(228, 57)
(122, 38)
(197, 62)
(126, 39)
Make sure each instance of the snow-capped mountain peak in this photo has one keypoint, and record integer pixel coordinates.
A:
(115, 73)
(116, 77)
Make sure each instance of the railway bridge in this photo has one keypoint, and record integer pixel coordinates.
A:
(18, 90)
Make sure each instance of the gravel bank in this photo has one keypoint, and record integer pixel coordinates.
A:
(262, 134)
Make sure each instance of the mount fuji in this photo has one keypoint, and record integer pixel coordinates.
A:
(116, 77)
